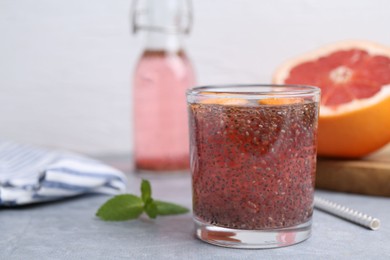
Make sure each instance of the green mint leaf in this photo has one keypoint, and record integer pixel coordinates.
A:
(121, 207)
(167, 208)
(151, 208)
(146, 190)
(128, 206)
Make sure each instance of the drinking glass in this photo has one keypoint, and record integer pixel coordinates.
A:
(253, 163)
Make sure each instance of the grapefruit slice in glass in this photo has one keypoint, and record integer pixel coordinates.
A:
(354, 77)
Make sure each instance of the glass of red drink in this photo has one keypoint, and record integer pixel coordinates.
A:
(253, 163)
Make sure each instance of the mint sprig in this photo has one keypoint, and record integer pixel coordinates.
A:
(146, 191)
(128, 206)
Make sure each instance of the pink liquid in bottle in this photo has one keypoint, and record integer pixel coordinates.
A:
(160, 114)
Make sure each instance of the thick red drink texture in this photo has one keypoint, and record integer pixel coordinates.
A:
(253, 165)
(160, 114)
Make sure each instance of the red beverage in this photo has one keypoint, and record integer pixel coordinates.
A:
(253, 162)
(253, 166)
(161, 128)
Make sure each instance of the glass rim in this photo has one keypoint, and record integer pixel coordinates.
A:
(253, 90)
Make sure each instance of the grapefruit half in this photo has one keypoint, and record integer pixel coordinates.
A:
(354, 77)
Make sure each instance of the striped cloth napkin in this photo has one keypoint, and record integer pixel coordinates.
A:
(30, 174)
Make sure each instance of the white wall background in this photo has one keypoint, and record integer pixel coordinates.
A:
(65, 65)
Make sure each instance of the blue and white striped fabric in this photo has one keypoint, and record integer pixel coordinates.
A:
(30, 174)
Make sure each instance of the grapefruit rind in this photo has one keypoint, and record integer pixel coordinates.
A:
(357, 104)
(355, 134)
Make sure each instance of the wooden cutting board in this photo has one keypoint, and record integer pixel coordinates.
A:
(370, 176)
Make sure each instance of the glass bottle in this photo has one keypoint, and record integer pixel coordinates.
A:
(161, 78)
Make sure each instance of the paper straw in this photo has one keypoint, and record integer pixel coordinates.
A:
(346, 213)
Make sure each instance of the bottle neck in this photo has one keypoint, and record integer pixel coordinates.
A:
(159, 41)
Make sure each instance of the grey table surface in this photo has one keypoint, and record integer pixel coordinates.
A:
(68, 229)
